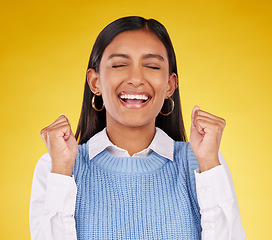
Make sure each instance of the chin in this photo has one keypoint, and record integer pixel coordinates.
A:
(136, 121)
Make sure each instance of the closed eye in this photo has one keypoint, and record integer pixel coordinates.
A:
(117, 66)
(153, 67)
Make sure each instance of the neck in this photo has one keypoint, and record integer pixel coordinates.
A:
(132, 139)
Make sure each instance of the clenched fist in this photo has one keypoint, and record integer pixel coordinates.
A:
(206, 134)
(61, 145)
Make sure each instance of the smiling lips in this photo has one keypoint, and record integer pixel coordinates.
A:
(134, 100)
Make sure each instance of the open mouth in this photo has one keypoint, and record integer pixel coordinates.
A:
(134, 98)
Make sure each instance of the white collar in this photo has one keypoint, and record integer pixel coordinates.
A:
(162, 144)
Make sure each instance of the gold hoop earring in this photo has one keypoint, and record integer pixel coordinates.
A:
(93, 105)
(173, 105)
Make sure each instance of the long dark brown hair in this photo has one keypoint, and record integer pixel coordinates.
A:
(91, 121)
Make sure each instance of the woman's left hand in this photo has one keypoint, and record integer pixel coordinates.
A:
(206, 133)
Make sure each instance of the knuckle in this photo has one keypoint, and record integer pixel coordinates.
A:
(51, 132)
(197, 118)
(222, 124)
(222, 120)
(217, 127)
(196, 122)
(43, 131)
(63, 119)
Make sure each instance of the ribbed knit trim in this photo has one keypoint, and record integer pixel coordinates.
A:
(192, 165)
(129, 165)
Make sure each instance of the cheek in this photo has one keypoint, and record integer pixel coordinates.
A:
(107, 82)
(159, 85)
(109, 90)
(112, 78)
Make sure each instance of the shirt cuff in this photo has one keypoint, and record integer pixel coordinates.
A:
(60, 194)
(213, 187)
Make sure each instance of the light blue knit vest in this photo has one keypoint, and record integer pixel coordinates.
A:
(137, 198)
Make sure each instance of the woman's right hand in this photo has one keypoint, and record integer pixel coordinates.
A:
(61, 144)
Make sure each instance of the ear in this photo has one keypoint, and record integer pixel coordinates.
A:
(93, 80)
(172, 84)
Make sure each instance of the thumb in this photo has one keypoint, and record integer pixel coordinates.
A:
(195, 108)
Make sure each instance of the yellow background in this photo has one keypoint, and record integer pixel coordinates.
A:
(224, 53)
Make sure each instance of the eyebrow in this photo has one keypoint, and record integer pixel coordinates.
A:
(118, 55)
(144, 57)
(154, 56)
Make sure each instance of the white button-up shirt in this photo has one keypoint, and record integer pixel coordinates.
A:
(53, 196)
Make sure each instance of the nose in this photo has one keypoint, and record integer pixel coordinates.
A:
(136, 77)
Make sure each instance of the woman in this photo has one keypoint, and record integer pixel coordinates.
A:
(133, 176)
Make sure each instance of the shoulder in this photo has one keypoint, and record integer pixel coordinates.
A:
(187, 161)
(180, 145)
(82, 158)
(83, 148)
(83, 151)
(182, 150)
(185, 157)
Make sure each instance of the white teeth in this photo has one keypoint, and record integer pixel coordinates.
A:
(131, 96)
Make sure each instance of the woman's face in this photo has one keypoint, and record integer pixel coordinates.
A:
(133, 78)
